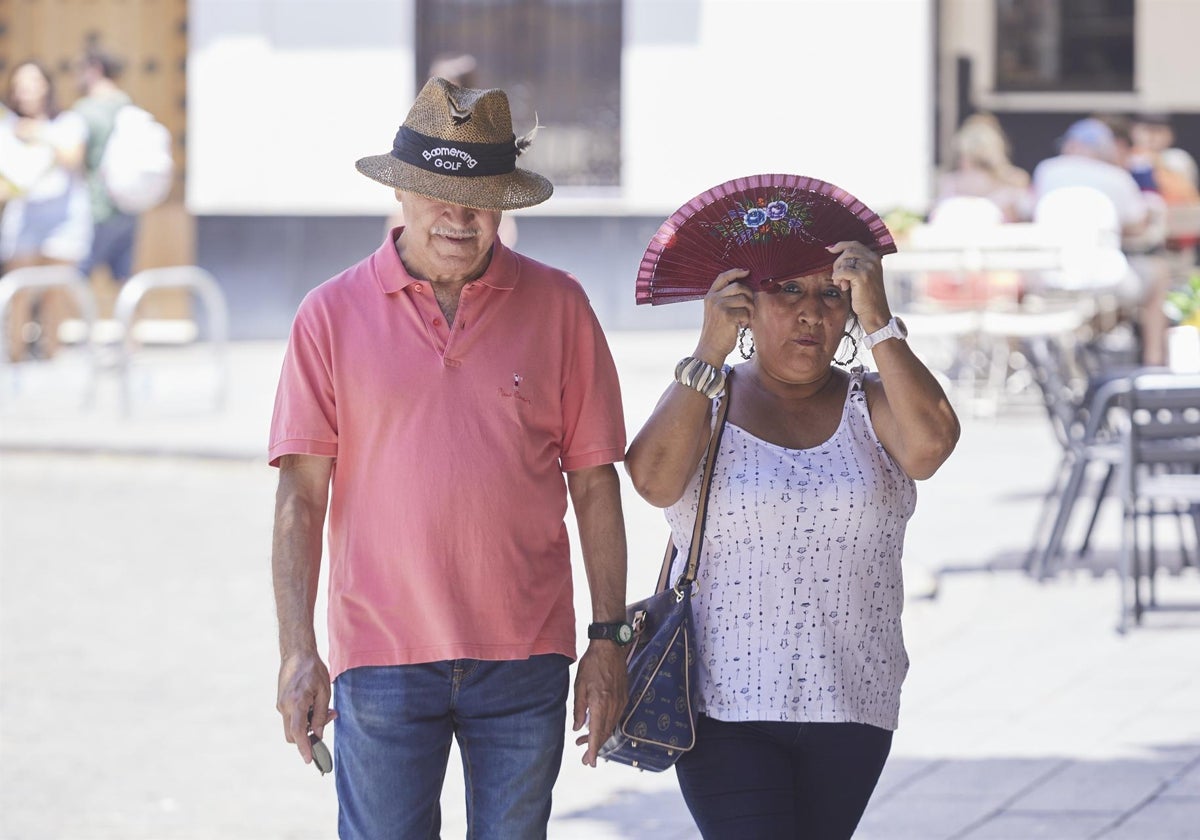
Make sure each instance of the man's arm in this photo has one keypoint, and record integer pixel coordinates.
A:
(600, 680)
(300, 504)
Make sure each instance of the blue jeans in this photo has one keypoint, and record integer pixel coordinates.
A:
(112, 245)
(392, 744)
(765, 780)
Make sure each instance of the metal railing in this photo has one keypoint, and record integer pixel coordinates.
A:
(190, 278)
(39, 279)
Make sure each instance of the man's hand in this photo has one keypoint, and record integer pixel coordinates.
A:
(601, 693)
(304, 694)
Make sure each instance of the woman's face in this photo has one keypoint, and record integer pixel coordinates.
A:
(30, 91)
(797, 329)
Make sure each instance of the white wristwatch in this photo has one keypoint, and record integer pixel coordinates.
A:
(892, 329)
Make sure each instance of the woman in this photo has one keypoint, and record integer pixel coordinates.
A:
(799, 593)
(47, 219)
(980, 167)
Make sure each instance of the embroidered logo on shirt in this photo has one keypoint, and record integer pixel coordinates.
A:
(515, 393)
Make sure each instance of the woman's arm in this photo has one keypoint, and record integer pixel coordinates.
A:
(664, 454)
(68, 150)
(909, 410)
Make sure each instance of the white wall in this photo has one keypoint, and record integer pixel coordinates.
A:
(284, 96)
(835, 89)
(1168, 61)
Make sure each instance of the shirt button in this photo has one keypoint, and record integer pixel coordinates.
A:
(437, 322)
(418, 286)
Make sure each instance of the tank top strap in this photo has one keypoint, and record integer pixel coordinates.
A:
(857, 374)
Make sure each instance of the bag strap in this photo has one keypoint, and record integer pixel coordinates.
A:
(714, 442)
(668, 558)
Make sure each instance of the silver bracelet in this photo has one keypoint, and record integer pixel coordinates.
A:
(700, 376)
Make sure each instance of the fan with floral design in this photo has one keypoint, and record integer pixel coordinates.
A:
(775, 226)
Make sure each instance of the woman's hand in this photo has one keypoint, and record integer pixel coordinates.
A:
(728, 307)
(911, 414)
(30, 130)
(859, 270)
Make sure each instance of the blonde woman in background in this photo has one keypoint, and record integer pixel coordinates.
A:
(980, 167)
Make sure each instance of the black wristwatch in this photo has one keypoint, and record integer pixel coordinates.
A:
(615, 631)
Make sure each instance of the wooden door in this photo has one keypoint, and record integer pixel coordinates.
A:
(150, 38)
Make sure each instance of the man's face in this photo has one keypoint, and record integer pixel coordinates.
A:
(443, 241)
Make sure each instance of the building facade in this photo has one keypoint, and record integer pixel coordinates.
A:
(642, 104)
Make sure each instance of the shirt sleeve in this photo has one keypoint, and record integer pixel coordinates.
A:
(1132, 209)
(305, 417)
(593, 416)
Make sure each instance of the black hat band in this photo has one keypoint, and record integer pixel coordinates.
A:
(446, 157)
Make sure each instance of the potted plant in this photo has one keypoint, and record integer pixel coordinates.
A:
(1183, 340)
(1183, 305)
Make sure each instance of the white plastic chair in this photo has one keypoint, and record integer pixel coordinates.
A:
(966, 213)
(1085, 221)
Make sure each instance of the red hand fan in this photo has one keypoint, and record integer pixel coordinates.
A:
(775, 226)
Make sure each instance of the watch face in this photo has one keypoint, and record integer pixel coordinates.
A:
(624, 634)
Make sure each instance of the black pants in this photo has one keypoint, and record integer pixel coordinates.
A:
(764, 780)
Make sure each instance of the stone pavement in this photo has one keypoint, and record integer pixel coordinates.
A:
(137, 654)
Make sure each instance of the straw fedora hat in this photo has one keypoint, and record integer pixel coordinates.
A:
(457, 145)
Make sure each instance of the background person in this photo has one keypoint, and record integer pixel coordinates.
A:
(1172, 170)
(799, 595)
(113, 243)
(1089, 157)
(1174, 175)
(980, 167)
(433, 396)
(48, 221)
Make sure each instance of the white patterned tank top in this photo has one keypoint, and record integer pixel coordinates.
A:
(799, 590)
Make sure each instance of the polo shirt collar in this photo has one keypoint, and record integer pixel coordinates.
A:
(392, 276)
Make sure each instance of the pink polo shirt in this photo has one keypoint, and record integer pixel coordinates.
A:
(446, 532)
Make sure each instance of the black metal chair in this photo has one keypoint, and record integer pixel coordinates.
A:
(1162, 467)
(1081, 424)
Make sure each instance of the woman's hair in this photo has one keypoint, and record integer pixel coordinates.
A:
(980, 143)
(10, 95)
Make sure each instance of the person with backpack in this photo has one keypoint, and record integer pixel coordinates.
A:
(128, 162)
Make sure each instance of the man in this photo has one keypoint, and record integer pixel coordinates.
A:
(113, 240)
(1088, 158)
(441, 387)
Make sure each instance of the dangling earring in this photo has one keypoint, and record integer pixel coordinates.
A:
(742, 351)
(853, 352)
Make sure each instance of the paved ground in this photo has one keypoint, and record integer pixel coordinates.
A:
(137, 654)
